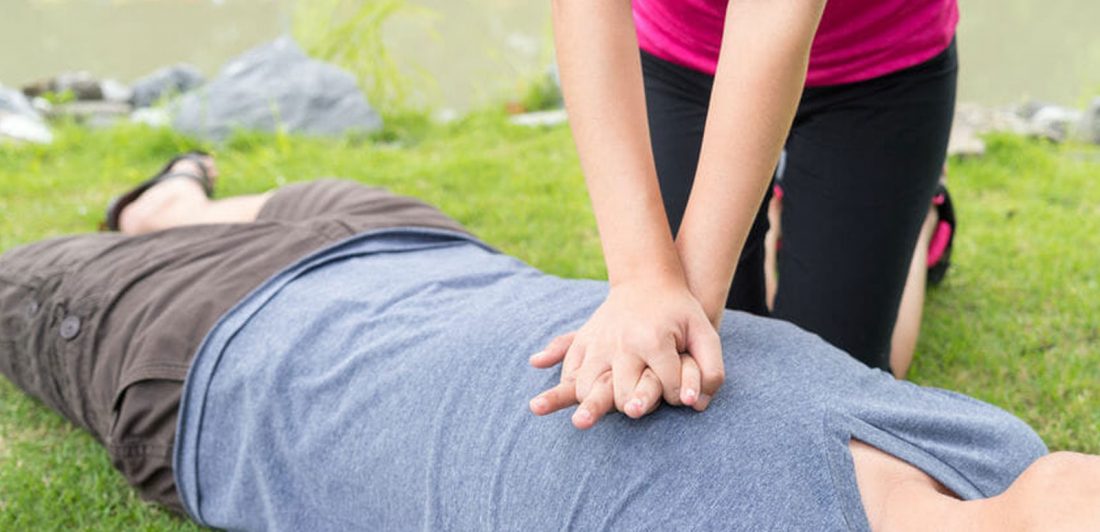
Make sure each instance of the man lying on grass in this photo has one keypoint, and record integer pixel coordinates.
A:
(332, 356)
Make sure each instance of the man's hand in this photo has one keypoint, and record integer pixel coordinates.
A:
(645, 342)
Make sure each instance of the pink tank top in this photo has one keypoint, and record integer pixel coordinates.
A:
(856, 40)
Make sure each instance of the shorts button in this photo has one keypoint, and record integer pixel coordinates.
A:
(70, 327)
(31, 309)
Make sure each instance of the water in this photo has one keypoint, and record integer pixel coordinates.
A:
(480, 51)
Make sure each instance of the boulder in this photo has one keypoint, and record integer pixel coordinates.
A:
(165, 82)
(277, 87)
(18, 119)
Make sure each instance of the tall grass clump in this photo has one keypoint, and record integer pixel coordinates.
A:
(348, 33)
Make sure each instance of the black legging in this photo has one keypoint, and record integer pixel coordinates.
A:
(863, 160)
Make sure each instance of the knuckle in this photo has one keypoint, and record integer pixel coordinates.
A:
(714, 380)
(720, 375)
(561, 343)
(604, 378)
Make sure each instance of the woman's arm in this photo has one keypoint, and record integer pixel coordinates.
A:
(601, 80)
(761, 71)
(650, 315)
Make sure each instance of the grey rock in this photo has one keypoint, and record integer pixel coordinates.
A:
(81, 84)
(115, 91)
(14, 102)
(1050, 121)
(165, 82)
(1090, 125)
(93, 114)
(152, 116)
(1028, 109)
(277, 86)
(964, 141)
(42, 105)
(981, 119)
(540, 118)
(19, 121)
(20, 128)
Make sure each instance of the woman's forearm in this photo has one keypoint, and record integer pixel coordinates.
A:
(602, 83)
(761, 71)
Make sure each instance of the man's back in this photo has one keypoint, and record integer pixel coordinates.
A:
(383, 385)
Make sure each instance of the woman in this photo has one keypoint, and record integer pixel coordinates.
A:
(867, 142)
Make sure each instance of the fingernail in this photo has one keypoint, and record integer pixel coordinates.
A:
(536, 355)
(690, 395)
(538, 403)
(635, 405)
(582, 415)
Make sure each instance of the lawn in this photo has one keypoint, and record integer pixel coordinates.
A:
(1016, 323)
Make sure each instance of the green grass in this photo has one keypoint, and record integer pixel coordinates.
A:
(1017, 322)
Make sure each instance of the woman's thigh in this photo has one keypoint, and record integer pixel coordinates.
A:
(863, 163)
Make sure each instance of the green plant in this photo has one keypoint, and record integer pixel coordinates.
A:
(541, 94)
(348, 33)
(59, 98)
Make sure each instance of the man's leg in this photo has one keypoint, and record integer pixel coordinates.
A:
(102, 327)
(181, 201)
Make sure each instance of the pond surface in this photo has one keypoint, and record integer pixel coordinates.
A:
(480, 50)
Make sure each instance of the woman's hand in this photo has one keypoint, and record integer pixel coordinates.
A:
(645, 342)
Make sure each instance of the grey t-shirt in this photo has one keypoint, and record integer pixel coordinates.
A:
(382, 384)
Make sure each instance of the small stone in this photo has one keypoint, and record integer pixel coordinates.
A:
(152, 116)
(964, 142)
(19, 127)
(166, 82)
(80, 84)
(93, 114)
(19, 121)
(15, 102)
(42, 105)
(1054, 123)
(540, 118)
(1090, 125)
(116, 91)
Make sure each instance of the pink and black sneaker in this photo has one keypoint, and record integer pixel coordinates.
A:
(943, 236)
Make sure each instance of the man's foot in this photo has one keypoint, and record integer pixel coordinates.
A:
(182, 186)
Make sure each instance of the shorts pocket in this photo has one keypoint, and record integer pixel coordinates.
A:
(142, 437)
